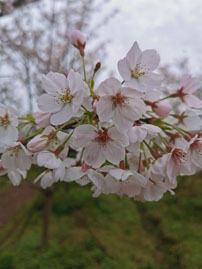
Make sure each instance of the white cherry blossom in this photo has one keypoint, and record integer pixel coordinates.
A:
(64, 96)
(8, 126)
(137, 69)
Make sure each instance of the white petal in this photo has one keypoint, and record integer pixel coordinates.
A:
(132, 55)
(74, 173)
(53, 82)
(149, 59)
(104, 108)
(48, 103)
(124, 69)
(83, 135)
(192, 101)
(62, 115)
(109, 86)
(118, 136)
(93, 155)
(114, 153)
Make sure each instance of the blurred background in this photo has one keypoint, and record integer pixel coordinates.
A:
(64, 227)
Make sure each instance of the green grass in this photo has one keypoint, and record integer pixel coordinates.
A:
(110, 232)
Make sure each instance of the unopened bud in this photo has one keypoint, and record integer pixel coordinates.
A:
(97, 67)
(38, 143)
(42, 119)
(162, 109)
(78, 40)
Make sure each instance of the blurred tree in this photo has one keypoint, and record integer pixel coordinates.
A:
(8, 6)
(35, 39)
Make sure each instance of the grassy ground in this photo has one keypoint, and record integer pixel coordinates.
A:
(108, 232)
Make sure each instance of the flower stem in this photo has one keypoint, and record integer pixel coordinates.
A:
(84, 68)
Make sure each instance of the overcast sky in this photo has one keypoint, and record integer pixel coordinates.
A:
(172, 27)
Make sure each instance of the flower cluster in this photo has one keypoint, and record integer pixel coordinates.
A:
(121, 137)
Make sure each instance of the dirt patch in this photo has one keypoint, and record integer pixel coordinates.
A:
(13, 199)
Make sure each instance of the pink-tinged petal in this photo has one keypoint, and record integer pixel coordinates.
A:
(124, 69)
(191, 84)
(53, 82)
(62, 115)
(120, 121)
(113, 152)
(48, 103)
(104, 108)
(83, 135)
(192, 101)
(184, 81)
(118, 136)
(133, 55)
(148, 60)
(93, 155)
(140, 179)
(109, 86)
(172, 170)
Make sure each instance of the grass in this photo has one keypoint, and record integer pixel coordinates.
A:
(111, 232)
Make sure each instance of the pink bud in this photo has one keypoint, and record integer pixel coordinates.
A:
(38, 143)
(42, 119)
(162, 108)
(78, 40)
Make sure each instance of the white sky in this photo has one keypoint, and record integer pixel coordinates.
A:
(172, 27)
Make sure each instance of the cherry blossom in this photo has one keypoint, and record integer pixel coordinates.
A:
(187, 86)
(122, 105)
(100, 144)
(64, 96)
(137, 69)
(8, 126)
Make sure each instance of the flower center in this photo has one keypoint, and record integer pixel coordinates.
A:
(118, 99)
(136, 73)
(179, 155)
(102, 137)
(14, 150)
(4, 121)
(65, 96)
(197, 145)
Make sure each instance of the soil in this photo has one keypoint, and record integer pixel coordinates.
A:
(13, 199)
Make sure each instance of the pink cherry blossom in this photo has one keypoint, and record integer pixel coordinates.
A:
(100, 144)
(187, 86)
(122, 105)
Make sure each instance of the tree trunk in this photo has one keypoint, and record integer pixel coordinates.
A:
(48, 197)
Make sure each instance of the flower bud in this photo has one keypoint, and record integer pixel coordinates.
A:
(42, 119)
(38, 143)
(78, 40)
(97, 67)
(162, 109)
